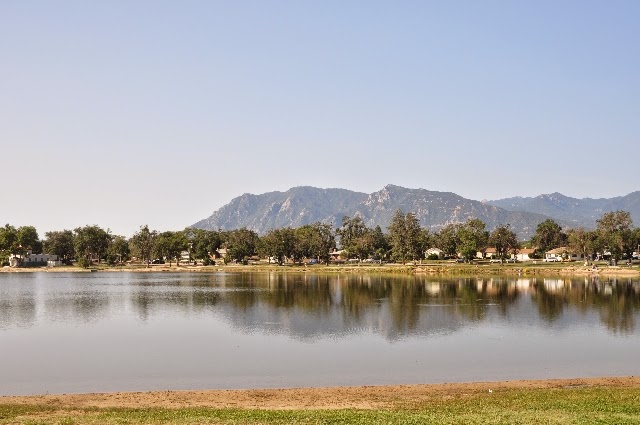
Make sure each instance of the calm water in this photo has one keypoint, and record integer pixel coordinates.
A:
(118, 331)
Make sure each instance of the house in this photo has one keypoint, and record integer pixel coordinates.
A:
(34, 260)
(220, 253)
(524, 254)
(185, 256)
(562, 253)
(336, 255)
(487, 253)
(434, 251)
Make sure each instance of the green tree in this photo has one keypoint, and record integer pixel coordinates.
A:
(118, 250)
(615, 233)
(241, 244)
(169, 245)
(60, 243)
(582, 240)
(8, 243)
(448, 240)
(549, 235)
(280, 244)
(204, 243)
(27, 238)
(505, 241)
(142, 244)
(473, 238)
(352, 236)
(381, 243)
(315, 241)
(404, 237)
(91, 242)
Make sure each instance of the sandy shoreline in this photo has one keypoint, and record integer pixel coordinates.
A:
(365, 397)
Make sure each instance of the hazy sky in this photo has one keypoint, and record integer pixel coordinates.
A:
(121, 113)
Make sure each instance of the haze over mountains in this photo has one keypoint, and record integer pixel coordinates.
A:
(575, 212)
(304, 205)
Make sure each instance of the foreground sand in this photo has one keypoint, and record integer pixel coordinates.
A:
(368, 397)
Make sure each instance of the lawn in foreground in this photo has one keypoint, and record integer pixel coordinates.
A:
(599, 405)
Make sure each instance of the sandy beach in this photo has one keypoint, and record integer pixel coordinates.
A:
(365, 397)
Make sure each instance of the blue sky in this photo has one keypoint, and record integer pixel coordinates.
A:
(122, 113)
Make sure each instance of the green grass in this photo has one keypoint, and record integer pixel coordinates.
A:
(530, 406)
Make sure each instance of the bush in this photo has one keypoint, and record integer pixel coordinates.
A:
(433, 257)
(84, 262)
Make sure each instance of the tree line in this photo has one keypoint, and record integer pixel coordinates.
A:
(405, 241)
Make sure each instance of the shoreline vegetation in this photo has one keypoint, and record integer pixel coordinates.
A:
(578, 400)
(420, 268)
(615, 240)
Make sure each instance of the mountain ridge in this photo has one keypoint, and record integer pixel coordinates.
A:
(306, 204)
(577, 212)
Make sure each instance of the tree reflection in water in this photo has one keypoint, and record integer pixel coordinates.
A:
(315, 305)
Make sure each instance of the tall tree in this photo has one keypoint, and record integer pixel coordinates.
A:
(143, 244)
(581, 240)
(505, 241)
(91, 242)
(404, 237)
(280, 244)
(8, 239)
(473, 238)
(204, 244)
(615, 233)
(448, 240)
(315, 241)
(27, 238)
(549, 235)
(381, 242)
(60, 243)
(241, 244)
(352, 236)
(118, 250)
(170, 245)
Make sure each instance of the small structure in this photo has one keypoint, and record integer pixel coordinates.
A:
(523, 254)
(489, 252)
(434, 251)
(562, 254)
(185, 256)
(336, 255)
(34, 260)
(220, 253)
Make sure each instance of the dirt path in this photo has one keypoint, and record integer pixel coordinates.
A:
(369, 397)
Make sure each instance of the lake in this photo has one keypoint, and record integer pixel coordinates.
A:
(113, 331)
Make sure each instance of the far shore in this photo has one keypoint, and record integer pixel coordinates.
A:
(424, 268)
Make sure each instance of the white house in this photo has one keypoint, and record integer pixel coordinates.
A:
(434, 251)
(34, 260)
(487, 253)
(524, 254)
(562, 253)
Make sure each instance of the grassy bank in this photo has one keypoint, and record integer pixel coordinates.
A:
(590, 405)
(425, 267)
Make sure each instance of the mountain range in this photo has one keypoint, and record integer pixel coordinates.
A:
(304, 205)
(574, 212)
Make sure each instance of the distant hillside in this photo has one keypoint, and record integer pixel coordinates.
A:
(304, 205)
(575, 212)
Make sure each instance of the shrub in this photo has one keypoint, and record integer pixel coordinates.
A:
(84, 262)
